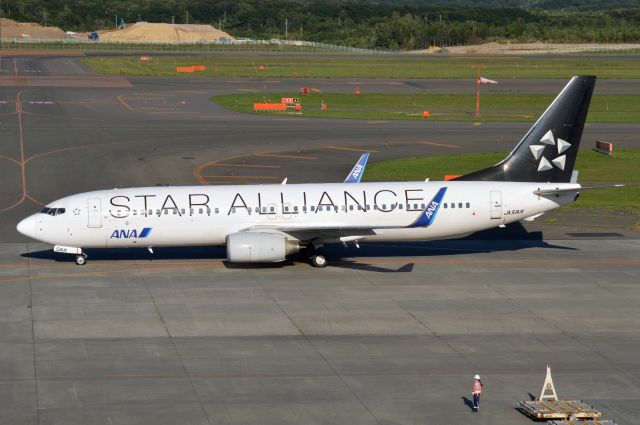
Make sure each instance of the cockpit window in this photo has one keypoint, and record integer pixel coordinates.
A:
(53, 211)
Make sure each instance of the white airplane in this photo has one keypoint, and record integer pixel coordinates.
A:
(265, 223)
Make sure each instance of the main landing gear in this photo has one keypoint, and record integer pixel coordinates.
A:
(318, 260)
(315, 255)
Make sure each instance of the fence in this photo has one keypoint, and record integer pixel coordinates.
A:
(253, 47)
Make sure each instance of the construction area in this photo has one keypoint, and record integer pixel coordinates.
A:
(170, 33)
(12, 30)
(139, 32)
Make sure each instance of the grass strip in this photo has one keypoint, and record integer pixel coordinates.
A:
(594, 168)
(444, 107)
(369, 66)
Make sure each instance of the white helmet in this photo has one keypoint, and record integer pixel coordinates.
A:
(476, 377)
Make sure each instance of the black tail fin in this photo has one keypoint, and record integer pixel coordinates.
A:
(547, 153)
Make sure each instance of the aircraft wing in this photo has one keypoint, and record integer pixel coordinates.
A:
(332, 231)
(358, 170)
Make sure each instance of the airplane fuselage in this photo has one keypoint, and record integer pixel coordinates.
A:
(206, 215)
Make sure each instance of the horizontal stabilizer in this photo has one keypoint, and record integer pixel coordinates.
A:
(558, 191)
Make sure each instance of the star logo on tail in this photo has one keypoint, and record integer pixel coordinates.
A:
(550, 140)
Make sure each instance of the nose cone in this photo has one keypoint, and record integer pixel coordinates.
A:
(27, 227)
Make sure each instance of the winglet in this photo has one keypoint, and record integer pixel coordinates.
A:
(428, 216)
(358, 170)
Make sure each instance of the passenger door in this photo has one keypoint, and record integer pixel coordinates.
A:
(94, 210)
(496, 204)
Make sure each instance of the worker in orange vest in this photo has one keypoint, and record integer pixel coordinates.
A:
(477, 390)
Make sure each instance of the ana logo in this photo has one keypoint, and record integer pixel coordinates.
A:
(549, 139)
(356, 170)
(130, 233)
(431, 209)
(429, 214)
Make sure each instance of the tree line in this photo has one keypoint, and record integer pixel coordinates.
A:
(358, 23)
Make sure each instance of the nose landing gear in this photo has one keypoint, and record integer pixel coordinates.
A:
(81, 259)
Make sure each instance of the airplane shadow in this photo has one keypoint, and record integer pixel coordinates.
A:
(512, 238)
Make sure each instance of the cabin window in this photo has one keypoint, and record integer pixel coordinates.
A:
(312, 208)
(272, 209)
(286, 209)
(468, 205)
(200, 211)
(444, 205)
(399, 206)
(295, 208)
(304, 208)
(350, 207)
(460, 205)
(135, 212)
(233, 210)
(453, 205)
(182, 211)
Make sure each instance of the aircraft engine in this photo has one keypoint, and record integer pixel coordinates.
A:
(256, 247)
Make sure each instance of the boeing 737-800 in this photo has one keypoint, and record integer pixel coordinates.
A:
(265, 223)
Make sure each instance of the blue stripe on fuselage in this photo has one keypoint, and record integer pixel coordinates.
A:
(429, 214)
(145, 232)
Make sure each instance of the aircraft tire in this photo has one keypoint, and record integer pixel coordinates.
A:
(318, 260)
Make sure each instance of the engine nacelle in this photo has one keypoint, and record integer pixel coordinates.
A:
(256, 247)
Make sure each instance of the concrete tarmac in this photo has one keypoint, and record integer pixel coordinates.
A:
(388, 334)
(385, 335)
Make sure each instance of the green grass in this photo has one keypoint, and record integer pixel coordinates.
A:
(374, 66)
(450, 107)
(594, 168)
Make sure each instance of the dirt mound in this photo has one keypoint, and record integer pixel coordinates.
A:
(28, 30)
(149, 32)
